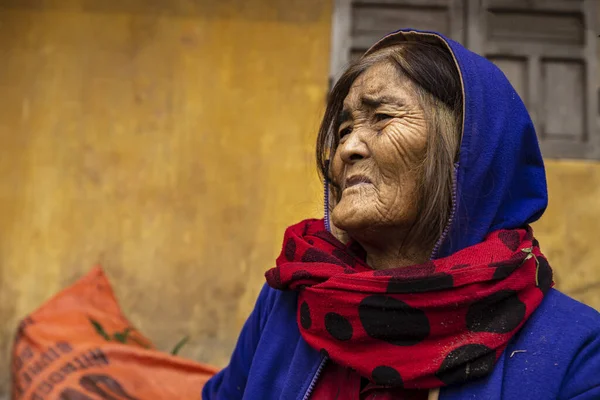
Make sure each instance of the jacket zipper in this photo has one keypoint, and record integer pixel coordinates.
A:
(446, 231)
(315, 378)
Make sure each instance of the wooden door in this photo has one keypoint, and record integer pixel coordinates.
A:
(547, 49)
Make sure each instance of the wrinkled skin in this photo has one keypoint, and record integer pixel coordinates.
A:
(383, 139)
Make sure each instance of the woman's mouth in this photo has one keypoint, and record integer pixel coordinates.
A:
(357, 180)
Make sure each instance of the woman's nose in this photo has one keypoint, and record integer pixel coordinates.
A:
(354, 148)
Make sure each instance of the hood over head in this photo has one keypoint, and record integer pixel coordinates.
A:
(500, 176)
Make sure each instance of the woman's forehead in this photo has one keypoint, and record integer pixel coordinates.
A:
(379, 84)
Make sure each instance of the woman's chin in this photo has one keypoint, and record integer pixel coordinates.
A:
(349, 219)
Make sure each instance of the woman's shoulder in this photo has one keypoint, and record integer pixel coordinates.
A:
(563, 321)
(273, 304)
(556, 356)
(269, 297)
(561, 343)
(567, 313)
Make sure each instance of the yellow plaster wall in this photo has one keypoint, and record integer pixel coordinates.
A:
(170, 141)
(569, 231)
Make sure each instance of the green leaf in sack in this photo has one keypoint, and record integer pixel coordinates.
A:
(179, 345)
(122, 336)
(99, 329)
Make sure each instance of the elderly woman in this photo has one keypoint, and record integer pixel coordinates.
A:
(424, 279)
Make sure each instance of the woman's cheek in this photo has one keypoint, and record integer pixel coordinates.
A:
(404, 142)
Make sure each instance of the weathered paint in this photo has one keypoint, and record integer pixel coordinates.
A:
(171, 142)
(569, 230)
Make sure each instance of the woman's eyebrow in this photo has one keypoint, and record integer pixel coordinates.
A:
(371, 102)
(376, 101)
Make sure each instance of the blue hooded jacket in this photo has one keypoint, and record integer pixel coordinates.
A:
(500, 185)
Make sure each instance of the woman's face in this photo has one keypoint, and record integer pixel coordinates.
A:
(383, 137)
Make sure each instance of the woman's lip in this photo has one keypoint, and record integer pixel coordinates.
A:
(356, 180)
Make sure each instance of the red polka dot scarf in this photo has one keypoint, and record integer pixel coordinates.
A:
(423, 326)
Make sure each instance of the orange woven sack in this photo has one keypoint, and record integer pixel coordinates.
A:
(80, 346)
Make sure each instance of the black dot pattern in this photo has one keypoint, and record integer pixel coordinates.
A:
(338, 326)
(387, 376)
(329, 239)
(544, 275)
(393, 321)
(511, 239)
(313, 255)
(500, 312)
(516, 259)
(428, 284)
(504, 269)
(305, 319)
(290, 249)
(344, 257)
(275, 276)
(465, 363)
(301, 275)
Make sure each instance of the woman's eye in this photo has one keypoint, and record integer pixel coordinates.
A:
(345, 131)
(382, 117)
